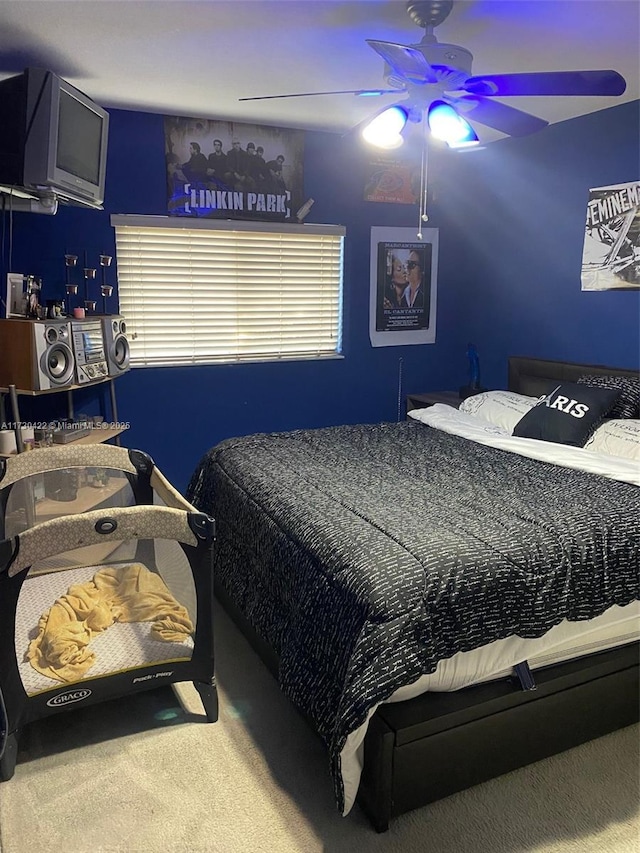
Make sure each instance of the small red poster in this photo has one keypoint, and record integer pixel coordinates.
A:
(392, 180)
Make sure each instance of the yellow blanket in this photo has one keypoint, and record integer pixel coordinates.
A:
(130, 594)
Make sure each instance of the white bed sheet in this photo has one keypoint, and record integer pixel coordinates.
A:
(451, 420)
(617, 626)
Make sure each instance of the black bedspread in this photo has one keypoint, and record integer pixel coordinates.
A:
(366, 554)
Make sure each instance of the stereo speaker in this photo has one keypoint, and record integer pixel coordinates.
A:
(116, 344)
(37, 355)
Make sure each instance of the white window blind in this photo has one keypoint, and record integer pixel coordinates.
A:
(210, 291)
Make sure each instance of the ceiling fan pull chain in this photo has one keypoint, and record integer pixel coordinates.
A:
(423, 217)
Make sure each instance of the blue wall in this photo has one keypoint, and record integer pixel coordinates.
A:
(519, 213)
(511, 220)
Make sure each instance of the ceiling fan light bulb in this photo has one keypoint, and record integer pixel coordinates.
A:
(447, 125)
(384, 130)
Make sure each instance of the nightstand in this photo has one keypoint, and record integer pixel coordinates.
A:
(422, 401)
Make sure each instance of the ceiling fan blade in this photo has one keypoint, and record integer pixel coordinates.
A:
(363, 92)
(407, 62)
(548, 83)
(500, 116)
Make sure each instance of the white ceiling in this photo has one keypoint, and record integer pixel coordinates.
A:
(197, 57)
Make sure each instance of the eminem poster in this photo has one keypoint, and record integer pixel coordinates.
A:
(402, 307)
(230, 170)
(611, 255)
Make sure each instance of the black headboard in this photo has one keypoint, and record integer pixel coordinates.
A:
(532, 376)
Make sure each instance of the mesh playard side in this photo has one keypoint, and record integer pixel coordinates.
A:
(139, 618)
(50, 482)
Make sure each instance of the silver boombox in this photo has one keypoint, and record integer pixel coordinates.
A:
(89, 350)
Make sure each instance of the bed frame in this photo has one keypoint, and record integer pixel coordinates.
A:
(531, 376)
(427, 748)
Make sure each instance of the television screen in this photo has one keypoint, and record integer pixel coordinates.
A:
(53, 138)
(79, 139)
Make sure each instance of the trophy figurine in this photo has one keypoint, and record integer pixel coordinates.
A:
(473, 386)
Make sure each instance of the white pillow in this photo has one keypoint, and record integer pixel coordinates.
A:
(501, 408)
(619, 437)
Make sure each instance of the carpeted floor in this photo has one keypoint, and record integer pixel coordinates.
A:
(147, 774)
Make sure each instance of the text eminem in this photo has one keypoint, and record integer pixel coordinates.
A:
(613, 205)
(200, 199)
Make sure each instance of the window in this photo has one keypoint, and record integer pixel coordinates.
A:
(218, 291)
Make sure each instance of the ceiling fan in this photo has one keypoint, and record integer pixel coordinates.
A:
(437, 84)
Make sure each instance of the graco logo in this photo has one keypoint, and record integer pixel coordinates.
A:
(67, 698)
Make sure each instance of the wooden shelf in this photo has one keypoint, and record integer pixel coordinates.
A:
(96, 436)
(29, 392)
(88, 498)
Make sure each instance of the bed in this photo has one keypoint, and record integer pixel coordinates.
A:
(443, 600)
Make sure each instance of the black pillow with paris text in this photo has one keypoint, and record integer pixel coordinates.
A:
(568, 414)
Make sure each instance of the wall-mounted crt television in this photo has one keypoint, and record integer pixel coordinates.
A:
(53, 138)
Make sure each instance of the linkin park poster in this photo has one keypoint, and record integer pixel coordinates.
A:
(402, 308)
(231, 170)
(611, 256)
